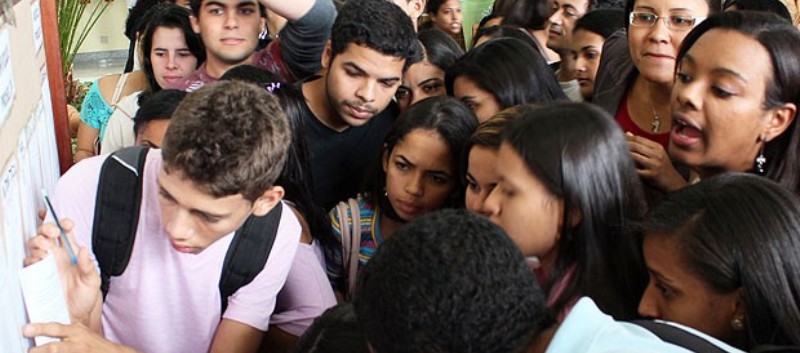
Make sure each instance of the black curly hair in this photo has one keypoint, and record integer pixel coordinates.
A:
(450, 281)
(378, 25)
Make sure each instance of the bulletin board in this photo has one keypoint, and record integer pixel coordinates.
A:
(34, 143)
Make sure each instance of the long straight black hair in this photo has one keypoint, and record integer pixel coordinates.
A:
(741, 232)
(579, 154)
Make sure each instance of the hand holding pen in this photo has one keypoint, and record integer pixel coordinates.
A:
(63, 236)
(78, 273)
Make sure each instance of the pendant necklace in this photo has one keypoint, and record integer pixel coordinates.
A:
(656, 120)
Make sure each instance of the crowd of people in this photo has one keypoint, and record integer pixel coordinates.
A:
(584, 176)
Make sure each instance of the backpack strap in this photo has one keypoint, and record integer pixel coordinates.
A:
(116, 211)
(248, 253)
(671, 334)
(350, 228)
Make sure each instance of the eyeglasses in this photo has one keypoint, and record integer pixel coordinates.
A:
(676, 22)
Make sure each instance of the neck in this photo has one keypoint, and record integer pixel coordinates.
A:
(315, 93)
(542, 340)
(649, 100)
(216, 68)
(541, 39)
(389, 226)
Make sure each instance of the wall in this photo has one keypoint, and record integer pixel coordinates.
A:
(109, 31)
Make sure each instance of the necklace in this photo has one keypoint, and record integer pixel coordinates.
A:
(656, 121)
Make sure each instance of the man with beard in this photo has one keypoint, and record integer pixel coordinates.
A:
(349, 106)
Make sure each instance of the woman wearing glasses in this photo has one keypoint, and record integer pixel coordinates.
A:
(635, 80)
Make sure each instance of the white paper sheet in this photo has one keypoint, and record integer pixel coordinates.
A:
(11, 339)
(44, 295)
(6, 76)
(36, 15)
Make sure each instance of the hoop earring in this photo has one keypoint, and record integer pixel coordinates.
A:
(264, 33)
(761, 161)
(737, 324)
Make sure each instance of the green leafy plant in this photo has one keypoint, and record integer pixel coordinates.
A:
(76, 18)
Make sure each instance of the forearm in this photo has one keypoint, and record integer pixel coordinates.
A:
(302, 41)
(291, 10)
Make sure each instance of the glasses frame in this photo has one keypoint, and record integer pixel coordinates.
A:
(695, 20)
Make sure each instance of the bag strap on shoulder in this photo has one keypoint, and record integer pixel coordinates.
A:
(248, 253)
(351, 242)
(116, 212)
(679, 337)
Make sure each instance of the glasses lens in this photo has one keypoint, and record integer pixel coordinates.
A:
(643, 18)
(681, 22)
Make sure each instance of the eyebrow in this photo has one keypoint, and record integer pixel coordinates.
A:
(719, 70)
(660, 277)
(588, 47)
(364, 72)
(437, 172)
(169, 196)
(433, 79)
(648, 8)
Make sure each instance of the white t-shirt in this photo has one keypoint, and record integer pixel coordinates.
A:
(167, 301)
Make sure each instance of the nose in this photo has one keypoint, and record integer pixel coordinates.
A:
(172, 63)
(479, 204)
(580, 64)
(686, 94)
(231, 21)
(414, 186)
(557, 17)
(659, 33)
(491, 205)
(366, 91)
(179, 226)
(647, 306)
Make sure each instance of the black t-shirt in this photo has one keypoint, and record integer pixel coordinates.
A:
(341, 160)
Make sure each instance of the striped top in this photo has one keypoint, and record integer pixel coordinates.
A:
(370, 240)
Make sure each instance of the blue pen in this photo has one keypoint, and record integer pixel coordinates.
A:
(63, 236)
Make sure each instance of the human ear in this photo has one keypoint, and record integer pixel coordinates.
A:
(780, 119)
(385, 159)
(195, 23)
(264, 203)
(418, 7)
(327, 55)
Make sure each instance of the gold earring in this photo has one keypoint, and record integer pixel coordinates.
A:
(737, 324)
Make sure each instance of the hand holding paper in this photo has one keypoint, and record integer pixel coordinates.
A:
(44, 298)
(80, 283)
(74, 338)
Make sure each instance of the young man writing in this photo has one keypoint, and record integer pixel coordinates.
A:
(349, 109)
(221, 156)
(230, 29)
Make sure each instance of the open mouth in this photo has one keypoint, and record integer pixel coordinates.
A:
(684, 133)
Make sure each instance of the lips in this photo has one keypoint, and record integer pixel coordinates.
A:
(684, 134)
(171, 79)
(359, 112)
(231, 41)
(184, 249)
(584, 81)
(659, 56)
(407, 208)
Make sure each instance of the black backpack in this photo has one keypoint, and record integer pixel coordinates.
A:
(116, 216)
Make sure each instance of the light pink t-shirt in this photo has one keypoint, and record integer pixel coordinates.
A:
(167, 301)
(307, 293)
